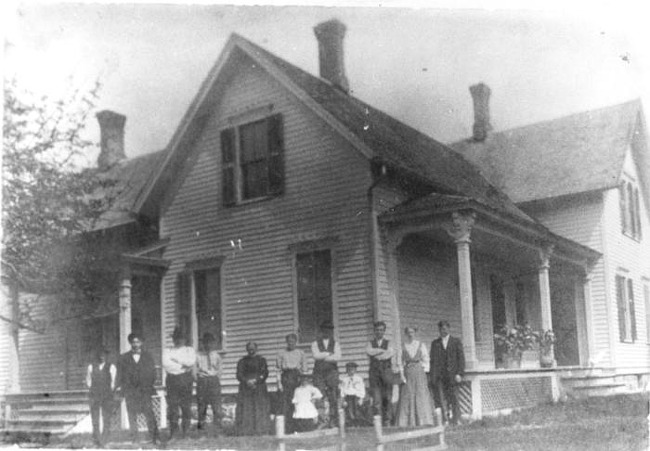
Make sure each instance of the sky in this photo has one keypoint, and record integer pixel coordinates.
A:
(415, 63)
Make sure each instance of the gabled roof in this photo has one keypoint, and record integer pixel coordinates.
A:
(377, 135)
(130, 177)
(574, 154)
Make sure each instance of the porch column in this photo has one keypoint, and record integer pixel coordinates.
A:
(125, 310)
(460, 231)
(545, 287)
(588, 315)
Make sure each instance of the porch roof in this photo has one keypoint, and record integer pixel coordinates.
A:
(435, 207)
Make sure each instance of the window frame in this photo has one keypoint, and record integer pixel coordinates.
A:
(630, 209)
(233, 183)
(646, 300)
(189, 274)
(626, 308)
(312, 246)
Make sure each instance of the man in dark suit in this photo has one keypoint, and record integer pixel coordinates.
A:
(447, 370)
(136, 378)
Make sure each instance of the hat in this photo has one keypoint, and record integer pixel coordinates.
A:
(178, 334)
(326, 325)
(351, 365)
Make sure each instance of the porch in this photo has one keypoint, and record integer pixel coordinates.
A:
(449, 257)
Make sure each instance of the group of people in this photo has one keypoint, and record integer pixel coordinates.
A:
(135, 375)
(400, 381)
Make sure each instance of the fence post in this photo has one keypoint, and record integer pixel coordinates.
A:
(279, 426)
(376, 421)
(341, 423)
(441, 424)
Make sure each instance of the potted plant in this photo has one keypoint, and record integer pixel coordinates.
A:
(546, 343)
(511, 341)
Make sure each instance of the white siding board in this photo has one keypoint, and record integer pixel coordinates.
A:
(326, 181)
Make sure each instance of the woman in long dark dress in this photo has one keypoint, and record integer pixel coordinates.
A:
(253, 406)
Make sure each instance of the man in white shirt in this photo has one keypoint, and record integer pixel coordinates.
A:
(380, 373)
(178, 361)
(327, 353)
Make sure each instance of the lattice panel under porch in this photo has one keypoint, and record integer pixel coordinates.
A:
(465, 397)
(497, 394)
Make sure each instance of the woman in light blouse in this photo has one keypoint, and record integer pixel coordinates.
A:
(415, 407)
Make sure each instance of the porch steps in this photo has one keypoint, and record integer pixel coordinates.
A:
(583, 385)
(51, 413)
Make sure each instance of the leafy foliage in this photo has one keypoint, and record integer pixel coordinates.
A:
(513, 340)
(50, 195)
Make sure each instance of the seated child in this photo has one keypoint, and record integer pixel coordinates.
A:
(305, 413)
(353, 392)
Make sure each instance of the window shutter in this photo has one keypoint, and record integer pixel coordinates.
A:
(228, 166)
(276, 154)
(622, 193)
(184, 303)
(630, 294)
(646, 297)
(620, 302)
(637, 213)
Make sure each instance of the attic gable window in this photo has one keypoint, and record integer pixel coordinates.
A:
(252, 160)
(630, 209)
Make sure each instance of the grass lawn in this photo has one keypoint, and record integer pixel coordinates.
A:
(612, 423)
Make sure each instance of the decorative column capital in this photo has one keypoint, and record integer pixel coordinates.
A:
(460, 227)
(545, 253)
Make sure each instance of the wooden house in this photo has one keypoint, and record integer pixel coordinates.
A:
(282, 200)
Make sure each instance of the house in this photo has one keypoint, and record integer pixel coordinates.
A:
(282, 201)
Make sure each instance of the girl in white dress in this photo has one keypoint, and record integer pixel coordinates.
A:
(305, 413)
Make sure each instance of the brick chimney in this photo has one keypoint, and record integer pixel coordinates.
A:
(330, 53)
(481, 97)
(111, 126)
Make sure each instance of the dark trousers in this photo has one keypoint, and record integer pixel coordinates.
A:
(105, 406)
(328, 384)
(381, 390)
(138, 402)
(179, 396)
(290, 381)
(353, 412)
(445, 393)
(208, 393)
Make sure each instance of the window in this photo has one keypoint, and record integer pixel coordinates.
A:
(625, 303)
(199, 308)
(630, 209)
(646, 297)
(314, 290)
(498, 298)
(252, 160)
(520, 303)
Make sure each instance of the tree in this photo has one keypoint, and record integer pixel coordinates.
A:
(50, 196)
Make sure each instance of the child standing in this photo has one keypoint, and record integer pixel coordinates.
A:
(305, 413)
(353, 392)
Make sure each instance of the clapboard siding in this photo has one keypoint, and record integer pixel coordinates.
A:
(581, 218)
(326, 181)
(630, 258)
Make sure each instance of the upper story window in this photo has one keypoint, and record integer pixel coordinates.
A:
(626, 311)
(630, 209)
(252, 160)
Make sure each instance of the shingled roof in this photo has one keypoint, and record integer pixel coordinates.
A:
(130, 177)
(574, 154)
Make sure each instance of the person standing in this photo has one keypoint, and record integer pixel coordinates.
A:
(291, 364)
(252, 415)
(100, 379)
(208, 382)
(327, 353)
(380, 374)
(179, 361)
(353, 392)
(447, 370)
(136, 375)
(415, 399)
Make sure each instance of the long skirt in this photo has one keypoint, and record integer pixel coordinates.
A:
(415, 401)
(252, 415)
